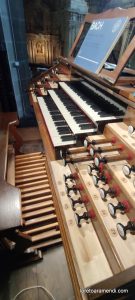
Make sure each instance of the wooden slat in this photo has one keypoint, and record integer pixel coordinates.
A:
(41, 228)
(38, 212)
(27, 167)
(30, 170)
(35, 188)
(30, 184)
(33, 174)
(37, 206)
(30, 161)
(30, 179)
(48, 244)
(42, 219)
(35, 200)
(84, 243)
(30, 195)
(121, 247)
(20, 156)
(45, 235)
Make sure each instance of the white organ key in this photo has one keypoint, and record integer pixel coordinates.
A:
(55, 137)
(91, 113)
(67, 116)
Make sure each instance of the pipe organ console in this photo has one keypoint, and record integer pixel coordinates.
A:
(82, 189)
(86, 121)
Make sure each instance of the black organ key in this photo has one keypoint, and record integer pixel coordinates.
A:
(86, 126)
(100, 101)
(60, 123)
(63, 130)
(57, 118)
(67, 137)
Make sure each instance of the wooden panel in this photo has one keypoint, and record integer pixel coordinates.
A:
(122, 248)
(84, 257)
(125, 183)
(11, 166)
(49, 149)
(120, 130)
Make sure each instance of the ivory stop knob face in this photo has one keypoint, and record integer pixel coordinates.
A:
(92, 152)
(95, 179)
(126, 170)
(111, 209)
(102, 193)
(121, 230)
(85, 143)
(77, 219)
(131, 129)
(96, 161)
(89, 169)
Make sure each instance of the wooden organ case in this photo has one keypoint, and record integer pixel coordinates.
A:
(85, 114)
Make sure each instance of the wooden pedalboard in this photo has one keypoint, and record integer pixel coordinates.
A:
(101, 257)
(38, 210)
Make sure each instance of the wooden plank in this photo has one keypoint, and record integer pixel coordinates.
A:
(76, 279)
(45, 235)
(33, 194)
(86, 258)
(32, 175)
(42, 228)
(38, 212)
(36, 206)
(125, 183)
(36, 200)
(29, 155)
(34, 188)
(30, 184)
(42, 219)
(27, 159)
(28, 180)
(29, 166)
(121, 247)
(42, 168)
(28, 162)
(48, 244)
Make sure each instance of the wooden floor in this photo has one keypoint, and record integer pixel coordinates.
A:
(52, 272)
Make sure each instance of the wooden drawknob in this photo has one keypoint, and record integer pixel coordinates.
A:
(90, 168)
(122, 230)
(128, 169)
(114, 191)
(85, 216)
(74, 202)
(74, 188)
(123, 206)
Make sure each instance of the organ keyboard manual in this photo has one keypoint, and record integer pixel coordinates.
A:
(75, 97)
